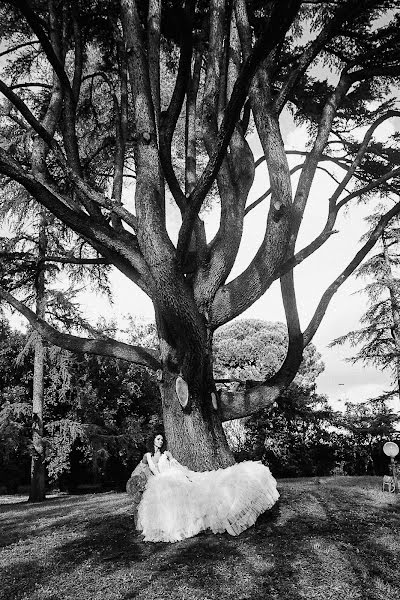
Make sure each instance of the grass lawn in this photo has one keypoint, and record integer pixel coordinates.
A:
(335, 538)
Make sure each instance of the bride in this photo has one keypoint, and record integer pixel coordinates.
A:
(178, 503)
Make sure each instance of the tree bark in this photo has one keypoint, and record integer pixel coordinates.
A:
(193, 431)
(195, 436)
(38, 471)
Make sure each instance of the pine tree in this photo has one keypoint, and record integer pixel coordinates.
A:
(378, 338)
(37, 243)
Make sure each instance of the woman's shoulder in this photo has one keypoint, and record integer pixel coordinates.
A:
(168, 454)
(145, 458)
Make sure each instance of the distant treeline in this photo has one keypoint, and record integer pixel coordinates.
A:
(99, 413)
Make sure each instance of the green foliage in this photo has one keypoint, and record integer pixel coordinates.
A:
(255, 349)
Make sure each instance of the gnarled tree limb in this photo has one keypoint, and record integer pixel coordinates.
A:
(73, 343)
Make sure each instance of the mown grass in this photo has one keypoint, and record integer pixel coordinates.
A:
(330, 539)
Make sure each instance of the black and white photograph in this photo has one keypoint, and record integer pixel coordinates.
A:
(199, 299)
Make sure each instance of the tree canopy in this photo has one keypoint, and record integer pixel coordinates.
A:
(97, 93)
(252, 349)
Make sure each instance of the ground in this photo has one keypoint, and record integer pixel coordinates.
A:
(327, 539)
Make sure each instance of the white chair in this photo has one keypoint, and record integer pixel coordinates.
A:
(388, 484)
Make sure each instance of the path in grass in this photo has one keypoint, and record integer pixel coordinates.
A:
(327, 539)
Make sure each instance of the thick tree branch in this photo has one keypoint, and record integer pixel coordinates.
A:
(294, 354)
(190, 126)
(243, 403)
(35, 23)
(153, 45)
(78, 52)
(26, 113)
(149, 193)
(51, 118)
(214, 74)
(263, 394)
(121, 128)
(236, 173)
(281, 19)
(73, 343)
(170, 118)
(313, 158)
(68, 260)
(121, 249)
(380, 71)
(353, 264)
(191, 152)
(269, 191)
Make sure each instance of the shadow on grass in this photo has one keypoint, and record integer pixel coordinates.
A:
(365, 514)
(62, 534)
(112, 545)
(266, 561)
(22, 520)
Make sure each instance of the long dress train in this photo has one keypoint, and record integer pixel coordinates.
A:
(179, 503)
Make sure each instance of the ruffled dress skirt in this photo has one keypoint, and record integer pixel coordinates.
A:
(179, 503)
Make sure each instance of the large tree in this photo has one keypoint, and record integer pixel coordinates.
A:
(84, 107)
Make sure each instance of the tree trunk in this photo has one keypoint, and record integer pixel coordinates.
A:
(194, 434)
(38, 472)
(37, 490)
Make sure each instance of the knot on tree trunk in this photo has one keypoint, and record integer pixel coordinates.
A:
(279, 210)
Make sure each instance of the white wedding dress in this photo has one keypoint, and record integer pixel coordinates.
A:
(178, 503)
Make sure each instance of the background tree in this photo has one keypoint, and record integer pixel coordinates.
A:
(295, 438)
(378, 338)
(98, 424)
(98, 413)
(292, 436)
(87, 103)
(249, 349)
(15, 409)
(363, 430)
(35, 248)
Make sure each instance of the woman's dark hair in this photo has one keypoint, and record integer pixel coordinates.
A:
(150, 442)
